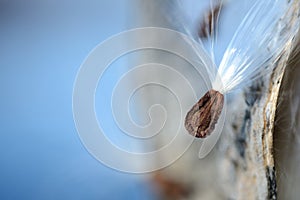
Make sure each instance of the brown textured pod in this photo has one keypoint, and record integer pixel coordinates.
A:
(200, 121)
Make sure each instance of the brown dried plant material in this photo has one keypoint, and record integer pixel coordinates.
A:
(200, 121)
(170, 188)
(209, 22)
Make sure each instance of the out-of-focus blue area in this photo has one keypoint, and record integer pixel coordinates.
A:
(42, 44)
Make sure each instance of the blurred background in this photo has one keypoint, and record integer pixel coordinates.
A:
(42, 45)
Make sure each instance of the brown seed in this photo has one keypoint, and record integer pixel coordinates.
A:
(200, 121)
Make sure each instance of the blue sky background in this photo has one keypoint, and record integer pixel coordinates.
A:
(42, 44)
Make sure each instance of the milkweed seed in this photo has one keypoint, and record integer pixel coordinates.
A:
(200, 121)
